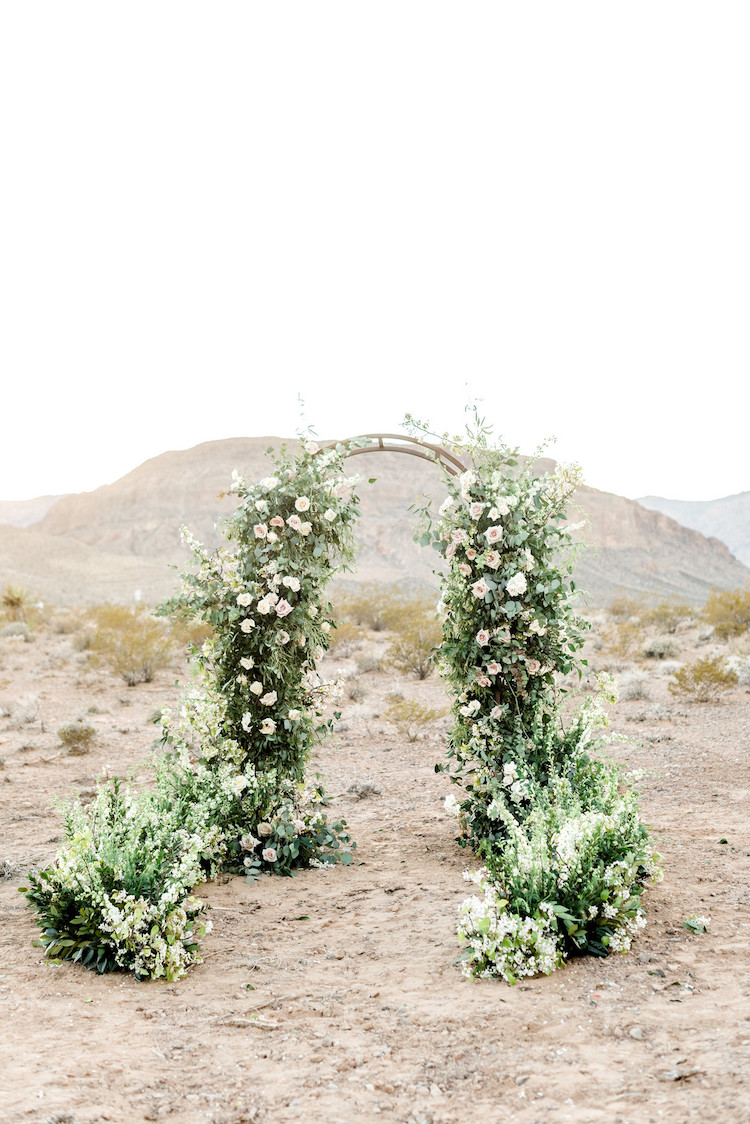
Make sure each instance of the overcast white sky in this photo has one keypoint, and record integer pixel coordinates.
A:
(209, 209)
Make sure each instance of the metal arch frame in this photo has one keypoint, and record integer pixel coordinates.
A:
(437, 454)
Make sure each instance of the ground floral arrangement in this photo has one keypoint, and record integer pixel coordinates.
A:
(565, 857)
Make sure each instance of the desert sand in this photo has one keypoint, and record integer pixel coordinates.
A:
(336, 995)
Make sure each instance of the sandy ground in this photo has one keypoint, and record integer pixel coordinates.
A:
(335, 996)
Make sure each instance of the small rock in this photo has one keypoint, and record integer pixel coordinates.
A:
(435, 1091)
(522, 1079)
(637, 1032)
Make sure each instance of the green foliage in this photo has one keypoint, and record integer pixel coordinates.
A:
(77, 736)
(131, 642)
(409, 716)
(704, 680)
(728, 612)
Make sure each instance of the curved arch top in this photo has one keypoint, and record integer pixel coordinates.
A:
(400, 443)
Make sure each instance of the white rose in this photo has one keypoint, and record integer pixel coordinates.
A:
(476, 509)
(256, 688)
(247, 662)
(261, 530)
(265, 829)
(283, 609)
(480, 588)
(294, 522)
(247, 721)
(268, 726)
(483, 637)
(244, 599)
(291, 583)
(247, 625)
(305, 528)
(264, 606)
(261, 505)
(302, 503)
(282, 638)
(330, 515)
(294, 715)
(493, 534)
(268, 483)
(516, 585)
(269, 698)
(311, 448)
(325, 626)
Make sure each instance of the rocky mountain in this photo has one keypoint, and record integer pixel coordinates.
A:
(727, 519)
(22, 513)
(121, 537)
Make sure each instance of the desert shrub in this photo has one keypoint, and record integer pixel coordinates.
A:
(16, 602)
(624, 639)
(409, 716)
(622, 607)
(24, 712)
(728, 611)
(346, 638)
(130, 642)
(669, 615)
(188, 634)
(417, 635)
(740, 665)
(16, 630)
(660, 648)
(367, 662)
(354, 690)
(373, 605)
(704, 680)
(77, 736)
(634, 685)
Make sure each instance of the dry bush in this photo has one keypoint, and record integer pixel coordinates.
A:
(189, 634)
(354, 690)
(704, 680)
(669, 615)
(373, 605)
(660, 648)
(634, 685)
(132, 643)
(624, 639)
(346, 638)
(417, 633)
(16, 630)
(409, 716)
(77, 737)
(16, 603)
(366, 662)
(622, 607)
(728, 612)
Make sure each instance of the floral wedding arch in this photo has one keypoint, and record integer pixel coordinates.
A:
(564, 856)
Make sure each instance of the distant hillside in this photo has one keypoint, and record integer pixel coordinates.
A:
(727, 519)
(22, 513)
(120, 537)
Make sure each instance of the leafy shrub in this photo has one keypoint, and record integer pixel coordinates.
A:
(132, 643)
(704, 680)
(728, 612)
(409, 716)
(660, 648)
(77, 737)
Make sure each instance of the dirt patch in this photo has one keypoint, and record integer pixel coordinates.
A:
(336, 995)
